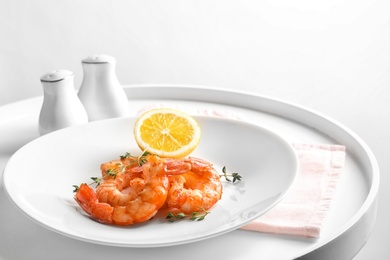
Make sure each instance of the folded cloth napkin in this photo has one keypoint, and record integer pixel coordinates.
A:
(303, 210)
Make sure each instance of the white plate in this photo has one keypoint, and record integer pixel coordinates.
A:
(39, 177)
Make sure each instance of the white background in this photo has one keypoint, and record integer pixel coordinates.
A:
(331, 56)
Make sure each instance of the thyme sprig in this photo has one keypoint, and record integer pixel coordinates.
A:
(96, 181)
(113, 172)
(235, 175)
(140, 159)
(76, 188)
(194, 216)
(125, 156)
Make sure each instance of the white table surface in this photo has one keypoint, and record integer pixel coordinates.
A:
(374, 246)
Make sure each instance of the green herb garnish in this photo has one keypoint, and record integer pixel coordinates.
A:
(235, 175)
(125, 156)
(194, 216)
(76, 188)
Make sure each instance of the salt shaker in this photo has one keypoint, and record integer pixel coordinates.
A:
(61, 106)
(101, 93)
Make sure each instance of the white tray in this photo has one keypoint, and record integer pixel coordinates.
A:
(346, 230)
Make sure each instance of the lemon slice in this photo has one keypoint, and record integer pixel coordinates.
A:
(167, 132)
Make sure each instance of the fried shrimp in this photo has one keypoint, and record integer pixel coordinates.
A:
(198, 188)
(149, 189)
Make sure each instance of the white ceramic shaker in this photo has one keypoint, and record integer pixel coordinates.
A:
(61, 106)
(101, 93)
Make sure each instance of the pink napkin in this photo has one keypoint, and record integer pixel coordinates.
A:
(302, 212)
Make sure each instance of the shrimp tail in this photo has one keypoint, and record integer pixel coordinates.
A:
(88, 201)
(86, 198)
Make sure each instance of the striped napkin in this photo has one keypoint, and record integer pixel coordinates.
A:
(304, 209)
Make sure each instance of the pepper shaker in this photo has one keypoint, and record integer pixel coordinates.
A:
(101, 93)
(61, 107)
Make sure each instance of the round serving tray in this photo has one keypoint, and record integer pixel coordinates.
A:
(345, 231)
